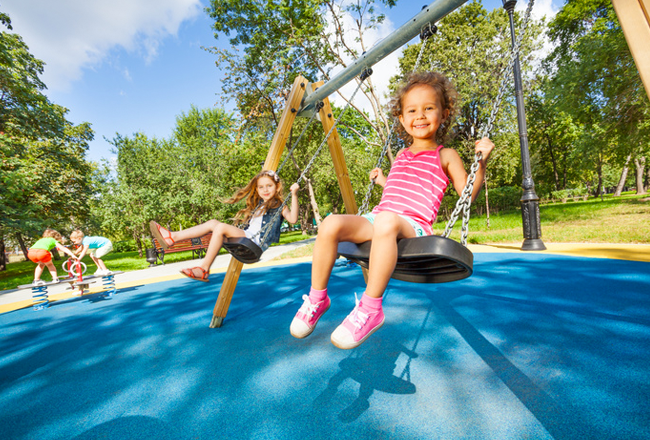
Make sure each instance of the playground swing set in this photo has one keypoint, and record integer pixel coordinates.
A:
(431, 259)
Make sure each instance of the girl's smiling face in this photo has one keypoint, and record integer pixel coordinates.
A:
(422, 112)
(266, 188)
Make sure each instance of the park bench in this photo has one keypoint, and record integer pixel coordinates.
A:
(198, 247)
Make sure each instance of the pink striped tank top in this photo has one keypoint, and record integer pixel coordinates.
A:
(414, 187)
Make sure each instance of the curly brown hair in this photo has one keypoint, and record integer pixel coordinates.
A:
(448, 98)
(54, 234)
(253, 199)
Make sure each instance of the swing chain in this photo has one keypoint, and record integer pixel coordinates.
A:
(295, 144)
(309, 165)
(465, 201)
(427, 31)
(293, 147)
(507, 71)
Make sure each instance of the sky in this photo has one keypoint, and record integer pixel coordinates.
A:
(128, 66)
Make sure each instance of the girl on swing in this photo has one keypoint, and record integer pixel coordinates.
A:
(412, 194)
(264, 196)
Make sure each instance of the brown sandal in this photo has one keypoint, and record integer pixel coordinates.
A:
(190, 274)
(157, 231)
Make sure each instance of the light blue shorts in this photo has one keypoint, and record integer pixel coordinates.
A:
(419, 230)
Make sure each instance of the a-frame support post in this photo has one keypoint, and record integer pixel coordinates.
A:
(634, 16)
(336, 150)
(271, 163)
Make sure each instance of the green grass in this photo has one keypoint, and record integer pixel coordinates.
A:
(23, 272)
(622, 219)
(613, 220)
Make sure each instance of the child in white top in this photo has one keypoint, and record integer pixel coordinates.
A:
(263, 194)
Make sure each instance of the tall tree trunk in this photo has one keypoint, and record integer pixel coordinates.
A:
(138, 243)
(553, 163)
(313, 203)
(640, 167)
(621, 181)
(3, 258)
(599, 170)
(21, 243)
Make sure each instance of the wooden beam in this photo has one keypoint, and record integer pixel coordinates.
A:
(336, 150)
(634, 16)
(271, 163)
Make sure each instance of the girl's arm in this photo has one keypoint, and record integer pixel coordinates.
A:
(377, 175)
(453, 166)
(291, 215)
(83, 250)
(65, 250)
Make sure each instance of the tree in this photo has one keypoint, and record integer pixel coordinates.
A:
(594, 79)
(42, 155)
(553, 134)
(275, 40)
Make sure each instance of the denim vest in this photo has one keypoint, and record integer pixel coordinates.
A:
(272, 230)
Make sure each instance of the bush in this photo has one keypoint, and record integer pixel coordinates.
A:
(562, 195)
(124, 246)
(504, 198)
(572, 193)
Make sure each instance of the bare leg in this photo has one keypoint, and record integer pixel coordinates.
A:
(98, 261)
(219, 231)
(334, 229)
(388, 227)
(39, 271)
(196, 231)
(52, 269)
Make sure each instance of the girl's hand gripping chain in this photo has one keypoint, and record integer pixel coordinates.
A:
(377, 176)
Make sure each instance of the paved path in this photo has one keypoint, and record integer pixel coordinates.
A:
(20, 298)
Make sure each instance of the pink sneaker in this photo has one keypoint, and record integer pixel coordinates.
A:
(356, 328)
(307, 317)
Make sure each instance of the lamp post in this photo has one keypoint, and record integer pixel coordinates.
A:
(529, 199)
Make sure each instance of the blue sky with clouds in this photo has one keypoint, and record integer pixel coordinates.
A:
(135, 65)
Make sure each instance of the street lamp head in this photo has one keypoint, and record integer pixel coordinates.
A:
(509, 5)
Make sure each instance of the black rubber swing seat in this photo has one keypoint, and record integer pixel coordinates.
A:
(429, 259)
(243, 249)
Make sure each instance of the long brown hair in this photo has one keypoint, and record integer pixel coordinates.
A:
(253, 199)
(446, 92)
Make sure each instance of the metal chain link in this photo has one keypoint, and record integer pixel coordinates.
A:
(295, 144)
(384, 150)
(465, 201)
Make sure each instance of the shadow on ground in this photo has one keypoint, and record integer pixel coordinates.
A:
(531, 346)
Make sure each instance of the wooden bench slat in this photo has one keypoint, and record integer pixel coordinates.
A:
(196, 245)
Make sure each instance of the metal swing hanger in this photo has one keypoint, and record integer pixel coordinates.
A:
(245, 249)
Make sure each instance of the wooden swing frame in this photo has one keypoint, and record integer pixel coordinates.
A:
(294, 100)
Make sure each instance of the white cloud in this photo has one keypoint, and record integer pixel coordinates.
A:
(73, 35)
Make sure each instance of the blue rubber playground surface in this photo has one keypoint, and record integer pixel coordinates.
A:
(532, 346)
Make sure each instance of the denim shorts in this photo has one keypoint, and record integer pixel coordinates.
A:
(419, 230)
